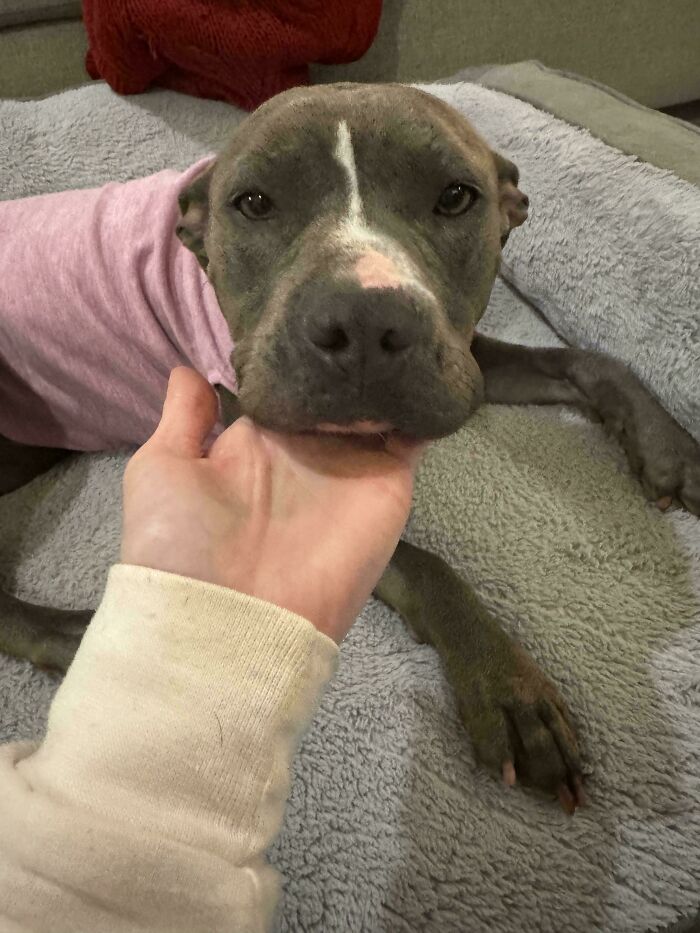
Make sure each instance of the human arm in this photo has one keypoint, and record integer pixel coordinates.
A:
(164, 772)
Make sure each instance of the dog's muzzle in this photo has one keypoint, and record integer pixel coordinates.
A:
(359, 337)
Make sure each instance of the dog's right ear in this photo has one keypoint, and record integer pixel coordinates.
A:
(514, 203)
(194, 211)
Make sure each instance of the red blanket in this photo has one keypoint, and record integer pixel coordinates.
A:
(242, 51)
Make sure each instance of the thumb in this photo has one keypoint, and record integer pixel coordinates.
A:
(189, 413)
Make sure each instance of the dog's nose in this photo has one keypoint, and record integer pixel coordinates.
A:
(369, 328)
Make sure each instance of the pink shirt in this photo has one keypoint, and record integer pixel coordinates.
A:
(99, 300)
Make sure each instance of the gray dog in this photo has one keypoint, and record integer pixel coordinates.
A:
(352, 235)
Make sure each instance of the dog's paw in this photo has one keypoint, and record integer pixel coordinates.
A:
(520, 727)
(660, 452)
(663, 455)
(670, 468)
(47, 637)
(55, 648)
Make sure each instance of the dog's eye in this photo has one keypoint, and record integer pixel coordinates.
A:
(254, 205)
(456, 199)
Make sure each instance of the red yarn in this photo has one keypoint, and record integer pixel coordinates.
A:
(242, 51)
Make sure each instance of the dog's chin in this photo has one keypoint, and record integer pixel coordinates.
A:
(275, 410)
(294, 422)
(368, 429)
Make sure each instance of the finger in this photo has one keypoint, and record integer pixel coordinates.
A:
(189, 413)
(237, 437)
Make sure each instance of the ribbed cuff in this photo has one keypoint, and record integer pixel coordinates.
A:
(190, 695)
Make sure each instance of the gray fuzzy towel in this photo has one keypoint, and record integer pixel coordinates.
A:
(611, 250)
(391, 826)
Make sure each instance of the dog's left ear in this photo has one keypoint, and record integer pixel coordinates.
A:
(194, 211)
(514, 203)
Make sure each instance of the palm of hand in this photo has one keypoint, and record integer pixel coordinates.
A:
(305, 522)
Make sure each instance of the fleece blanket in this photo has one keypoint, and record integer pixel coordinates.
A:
(610, 251)
(391, 826)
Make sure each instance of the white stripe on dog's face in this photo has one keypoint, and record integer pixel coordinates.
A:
(346, 156)
(380, 262)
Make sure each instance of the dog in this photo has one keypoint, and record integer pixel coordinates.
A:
(339, 255)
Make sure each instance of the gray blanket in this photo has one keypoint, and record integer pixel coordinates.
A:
(611, 250)
(391, 826)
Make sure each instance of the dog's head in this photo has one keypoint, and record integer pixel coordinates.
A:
(353, 234)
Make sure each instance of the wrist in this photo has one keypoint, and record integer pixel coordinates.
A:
(191, 672)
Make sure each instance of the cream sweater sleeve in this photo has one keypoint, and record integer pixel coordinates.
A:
(164, 772)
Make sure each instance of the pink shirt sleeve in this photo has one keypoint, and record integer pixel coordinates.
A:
(99, 300)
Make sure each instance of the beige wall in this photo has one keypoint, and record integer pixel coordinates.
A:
(648, 49)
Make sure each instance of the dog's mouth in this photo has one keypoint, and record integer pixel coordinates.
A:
(355, 427)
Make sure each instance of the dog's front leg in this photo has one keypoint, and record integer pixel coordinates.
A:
(660, 451)
(515, 717)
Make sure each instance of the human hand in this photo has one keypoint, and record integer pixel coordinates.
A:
(307, 522)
